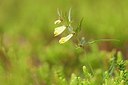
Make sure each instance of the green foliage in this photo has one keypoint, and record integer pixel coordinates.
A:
(78, 29)
(59, 71)
(115, 75)
(30, 55)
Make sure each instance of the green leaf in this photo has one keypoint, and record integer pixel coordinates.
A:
(101, 40)
(119, 57)
(58, 12)
(78, 29)
(69, 15)
(74, 80)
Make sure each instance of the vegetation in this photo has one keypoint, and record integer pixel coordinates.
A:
(92, 51)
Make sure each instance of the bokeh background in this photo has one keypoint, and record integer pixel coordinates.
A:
(29, 52)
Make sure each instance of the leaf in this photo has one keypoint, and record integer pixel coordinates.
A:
(78, 29)
(112, 66)
(74, 80)
(58, 12)
(101, 40)
(69, 15)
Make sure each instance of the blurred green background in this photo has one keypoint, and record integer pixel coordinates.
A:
(29, 51)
